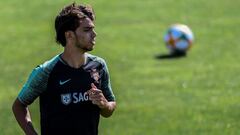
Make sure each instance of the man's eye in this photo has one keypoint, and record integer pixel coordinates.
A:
(88, 29)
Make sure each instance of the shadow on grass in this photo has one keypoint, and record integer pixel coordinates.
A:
(171, 56)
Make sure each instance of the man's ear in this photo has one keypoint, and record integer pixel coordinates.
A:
(69, 34)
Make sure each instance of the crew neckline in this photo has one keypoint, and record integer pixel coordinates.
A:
(65, 63)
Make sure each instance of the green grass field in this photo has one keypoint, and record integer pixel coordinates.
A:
(195, 95)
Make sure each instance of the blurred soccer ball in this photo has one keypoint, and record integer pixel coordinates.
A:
(179, 38)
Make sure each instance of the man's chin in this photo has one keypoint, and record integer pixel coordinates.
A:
(87, 49)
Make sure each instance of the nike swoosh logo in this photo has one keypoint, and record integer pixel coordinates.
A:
(63, 82)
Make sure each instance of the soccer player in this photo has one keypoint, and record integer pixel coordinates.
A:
(73, 87)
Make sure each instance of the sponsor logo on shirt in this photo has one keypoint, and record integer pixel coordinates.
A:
(75, 97)
(63, 82)
(66, 98)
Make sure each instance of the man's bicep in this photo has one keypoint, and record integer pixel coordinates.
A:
(35, 85)
(106, 84)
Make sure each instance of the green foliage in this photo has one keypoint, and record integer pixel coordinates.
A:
(194, 95)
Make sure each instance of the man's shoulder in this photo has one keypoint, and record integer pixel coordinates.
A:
(95, 58)
(47, 66)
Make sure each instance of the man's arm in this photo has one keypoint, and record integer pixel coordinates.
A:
(97, 98)
(108, 110)
(23, 117)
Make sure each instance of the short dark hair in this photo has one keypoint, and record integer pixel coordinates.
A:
(68, 20)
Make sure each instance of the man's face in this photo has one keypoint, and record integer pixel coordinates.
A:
(85, 35)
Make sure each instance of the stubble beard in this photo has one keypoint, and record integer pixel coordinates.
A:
(80, 46)
(85, 49)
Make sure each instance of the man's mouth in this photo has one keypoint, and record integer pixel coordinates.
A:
(93, 41)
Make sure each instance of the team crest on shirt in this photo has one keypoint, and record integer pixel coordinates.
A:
(66, 98)
(95, 75)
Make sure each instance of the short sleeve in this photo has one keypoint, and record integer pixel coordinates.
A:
(35, 85)
(106, 85)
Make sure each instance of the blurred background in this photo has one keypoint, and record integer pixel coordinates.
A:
(193, 95)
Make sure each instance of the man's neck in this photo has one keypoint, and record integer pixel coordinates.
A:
(74, 58)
